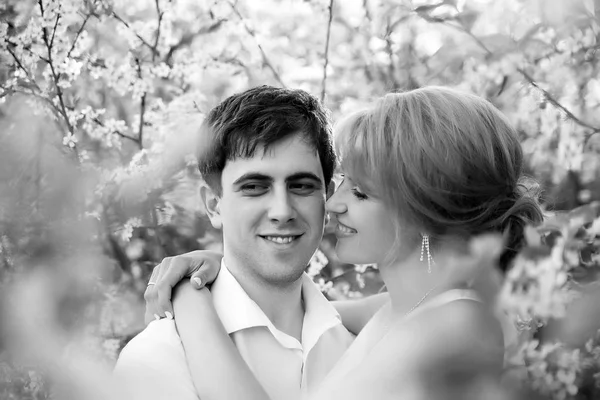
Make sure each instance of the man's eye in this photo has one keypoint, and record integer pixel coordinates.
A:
(303, 188)
(254, 189)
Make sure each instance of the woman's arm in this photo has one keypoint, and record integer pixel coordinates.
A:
(356, 313)
(213, 359)
(205, 265)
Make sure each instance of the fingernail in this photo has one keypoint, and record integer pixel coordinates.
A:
(156, 317)
(198, 281)
(169, 315)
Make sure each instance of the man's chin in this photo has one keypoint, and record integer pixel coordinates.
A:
(283, 271)
(286, 279)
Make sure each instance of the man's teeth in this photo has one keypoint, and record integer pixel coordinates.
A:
(280, 239)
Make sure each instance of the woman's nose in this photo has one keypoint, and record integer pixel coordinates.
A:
(335, 204)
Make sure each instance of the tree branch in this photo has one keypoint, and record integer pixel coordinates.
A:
(121, 20)
(555, 102)
(547, 95)
(27, 50)
(154, 48)
(55, 77)
(19, 64)
(388, 48)
(326, 63)
(118, 133)
(142, 109)
(79, 31)
(367, 11)
(187, 39)
(262, 51)
(54, 29)
(157, 38)
(141, 122)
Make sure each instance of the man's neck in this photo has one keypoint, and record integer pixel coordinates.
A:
(282, 304)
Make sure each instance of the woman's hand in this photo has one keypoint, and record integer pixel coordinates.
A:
(201, 266)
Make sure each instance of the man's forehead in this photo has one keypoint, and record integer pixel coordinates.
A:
(288, 157)
(274, 168)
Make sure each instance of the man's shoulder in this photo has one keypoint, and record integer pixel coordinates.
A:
(153, 365)
(158, 344)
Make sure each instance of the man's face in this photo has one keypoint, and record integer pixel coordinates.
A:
(272, 211)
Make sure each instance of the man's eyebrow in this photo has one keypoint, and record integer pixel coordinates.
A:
(303, 175)
(254, 176)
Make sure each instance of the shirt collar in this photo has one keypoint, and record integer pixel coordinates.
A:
(235, 308)
(319, 314)
(238, 311)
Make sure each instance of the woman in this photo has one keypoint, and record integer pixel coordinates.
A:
(425, 171)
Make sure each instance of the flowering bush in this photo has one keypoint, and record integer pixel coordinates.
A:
(556, 271)
(101, 98)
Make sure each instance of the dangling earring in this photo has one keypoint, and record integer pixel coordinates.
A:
(425, 248)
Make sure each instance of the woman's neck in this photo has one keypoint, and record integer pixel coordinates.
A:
(410, 284)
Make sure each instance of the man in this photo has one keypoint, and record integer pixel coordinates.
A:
(267, 159)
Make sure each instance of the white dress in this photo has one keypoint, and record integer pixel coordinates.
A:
(366, 344)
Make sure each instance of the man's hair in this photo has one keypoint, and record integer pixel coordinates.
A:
(258, 118)
(448, 162)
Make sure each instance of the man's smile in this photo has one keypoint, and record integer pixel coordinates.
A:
(281, 239)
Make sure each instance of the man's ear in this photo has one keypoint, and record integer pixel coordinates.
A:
(211, 204)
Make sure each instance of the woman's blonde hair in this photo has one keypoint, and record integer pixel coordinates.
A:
(447, 162)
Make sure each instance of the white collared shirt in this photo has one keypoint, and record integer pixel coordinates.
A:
(153, 364)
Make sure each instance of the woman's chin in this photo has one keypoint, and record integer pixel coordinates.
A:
(348, 257)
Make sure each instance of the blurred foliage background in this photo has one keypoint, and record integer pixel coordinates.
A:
(101, 100)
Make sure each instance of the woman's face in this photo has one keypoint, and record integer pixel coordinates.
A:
(365, 227)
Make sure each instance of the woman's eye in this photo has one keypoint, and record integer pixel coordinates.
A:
(358, 194)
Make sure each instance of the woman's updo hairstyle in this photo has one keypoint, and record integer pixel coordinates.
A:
(446, 162)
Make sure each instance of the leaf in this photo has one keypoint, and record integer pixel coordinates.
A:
(430, 18)
(499, 44)
(560, 13)
(583, 215)
(467, 18)
(428, 8)
(532, 236)
(529, 34)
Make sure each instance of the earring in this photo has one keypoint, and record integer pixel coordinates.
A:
(425, 248)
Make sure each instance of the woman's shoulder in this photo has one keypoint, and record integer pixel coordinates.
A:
(458, 316)
(460, 295)
(466, 316)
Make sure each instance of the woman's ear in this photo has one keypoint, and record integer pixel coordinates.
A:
(211, 202)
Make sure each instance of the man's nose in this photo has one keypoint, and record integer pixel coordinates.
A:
(281, 208)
